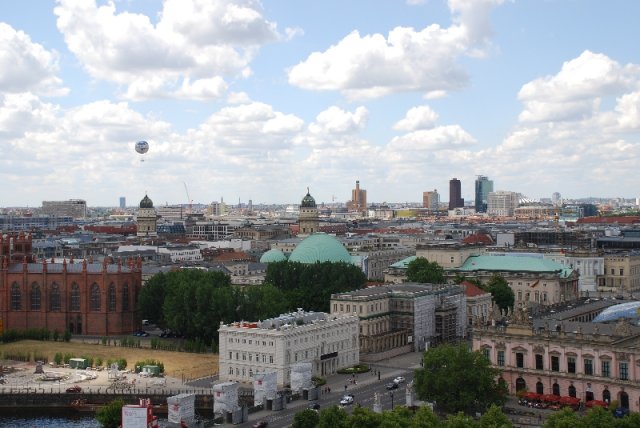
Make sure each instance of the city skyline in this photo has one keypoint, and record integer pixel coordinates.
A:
(258, 101)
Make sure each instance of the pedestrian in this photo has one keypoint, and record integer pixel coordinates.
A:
(345, 386)
(329, 390)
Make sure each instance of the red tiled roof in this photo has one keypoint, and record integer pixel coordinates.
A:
(472, 290)
(478, 238)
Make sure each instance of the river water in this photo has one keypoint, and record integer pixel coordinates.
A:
(48, 421)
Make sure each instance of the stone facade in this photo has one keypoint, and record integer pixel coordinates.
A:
(580, 359)
(400, 318)
(328, 342)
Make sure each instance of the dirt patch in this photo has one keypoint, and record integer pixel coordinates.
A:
(180, 365)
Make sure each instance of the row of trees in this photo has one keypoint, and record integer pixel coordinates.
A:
(424, 271)
(194, 302)
(400, 417)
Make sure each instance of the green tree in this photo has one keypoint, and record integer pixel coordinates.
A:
(309, 286)
(364, 418)
(494, 418)
(599, 417)
(458, 379)
(333, 417)
(151, 299)
(263, 301)
(630, 421)
(425, 418)
(459, 420)
(501, 292)
(306, 419)
(110, 416)
(399, 417)
(423, 271)
(565, 418)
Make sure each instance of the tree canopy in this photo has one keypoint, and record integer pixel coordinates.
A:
(423, 271)
(194, 302)
(310, 286)
(458, 380)
(501, 292)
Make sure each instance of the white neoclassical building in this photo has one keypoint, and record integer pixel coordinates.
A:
(328, 342)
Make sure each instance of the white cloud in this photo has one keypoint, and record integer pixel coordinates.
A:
(368, 66)
(185, 55)
(26, 66)
(421, 117)
(568, 130)
(419, 143)
(576, 89)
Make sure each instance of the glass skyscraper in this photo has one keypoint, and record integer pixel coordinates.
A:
(484, 186)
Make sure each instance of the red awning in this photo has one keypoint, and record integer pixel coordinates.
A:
(550, 398)
(594, 403)
(531, 396)
(569, 400)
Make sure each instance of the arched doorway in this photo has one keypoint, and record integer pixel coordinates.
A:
(606, 396)
(556, 389)
(521, 385)
(539, 388)
(588, 396)
(623, 398)
(572, 391)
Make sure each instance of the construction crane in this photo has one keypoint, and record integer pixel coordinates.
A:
(189, 200)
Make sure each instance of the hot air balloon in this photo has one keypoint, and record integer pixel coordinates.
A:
(142, 147)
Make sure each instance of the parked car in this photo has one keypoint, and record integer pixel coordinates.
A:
(75, 389)
(399, 379)
(392, 385)
(260, 424)
(620, 412)
(314, 406)
(347, 399)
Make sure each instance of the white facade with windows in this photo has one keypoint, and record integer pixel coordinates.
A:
(502, 203)
(328, 342)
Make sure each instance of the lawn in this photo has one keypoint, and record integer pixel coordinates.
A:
(176, 364)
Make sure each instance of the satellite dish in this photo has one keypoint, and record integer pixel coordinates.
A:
(142, 147)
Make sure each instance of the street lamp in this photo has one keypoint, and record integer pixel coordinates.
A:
(391, 395)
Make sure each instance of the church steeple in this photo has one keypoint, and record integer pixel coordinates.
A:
(308, 221)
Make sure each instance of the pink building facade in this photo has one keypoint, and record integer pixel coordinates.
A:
(590, 362)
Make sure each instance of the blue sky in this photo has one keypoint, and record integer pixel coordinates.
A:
(243, 99)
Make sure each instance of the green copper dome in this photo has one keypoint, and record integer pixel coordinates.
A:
(272, 256)
(319, 248)
(308, 201)
(146, 202)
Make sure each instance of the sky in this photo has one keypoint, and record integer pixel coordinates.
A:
(245, 100)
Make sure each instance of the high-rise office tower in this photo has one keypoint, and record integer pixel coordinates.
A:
(484, 186)
(123, 202)
(556, 199)
(431, 200)
(455, 194)
(358, 199)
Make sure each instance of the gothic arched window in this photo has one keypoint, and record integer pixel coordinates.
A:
(111, 298)
(16, 297)
(75, 297)
(35, 297)
(125, 297)
(95, 298)
(54, 300)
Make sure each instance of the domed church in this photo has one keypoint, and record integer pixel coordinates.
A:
(147, 219)
(308, 221)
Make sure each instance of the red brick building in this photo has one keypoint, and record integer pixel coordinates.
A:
(84, 298)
